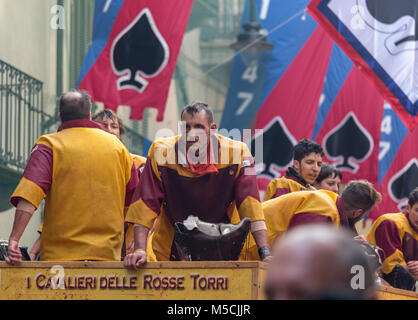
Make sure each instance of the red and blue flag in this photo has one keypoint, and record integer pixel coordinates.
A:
(133, 53)
(309, 87)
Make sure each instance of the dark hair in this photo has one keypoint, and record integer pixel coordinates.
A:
(305, 147)
(75, 105)
(196, 107)
(328, 170)
(107, 113)
(360, 194)
(413, 197)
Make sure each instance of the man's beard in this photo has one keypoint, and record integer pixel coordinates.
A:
(353, 221)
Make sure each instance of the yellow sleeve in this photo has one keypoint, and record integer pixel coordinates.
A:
(29, 191)
(387, 236)
(271, 189)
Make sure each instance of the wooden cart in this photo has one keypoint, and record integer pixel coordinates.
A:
(224, 280)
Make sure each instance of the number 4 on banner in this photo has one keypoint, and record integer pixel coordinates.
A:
(250, 74)
(387, 125)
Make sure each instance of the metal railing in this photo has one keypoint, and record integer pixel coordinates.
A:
(21, 115)
(22, 118)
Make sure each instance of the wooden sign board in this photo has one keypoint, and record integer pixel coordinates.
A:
(215, 280)
(221, 280)
(390, 293)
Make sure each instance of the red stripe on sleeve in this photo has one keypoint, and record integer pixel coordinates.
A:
(343, 215)
(246, 183)
(280, 191)
(387, 237)
(306, 218)
(131, 186)
(39, 167)
(149, 189)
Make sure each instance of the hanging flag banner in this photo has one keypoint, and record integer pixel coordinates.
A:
(338, 69)
(349, 136)
(312, 89)
(401, 177)
(289, 112)
(392, 136)
(260, 90)
(251, 85)
(242, 101)
(244, 93)
(379, 36)
(393, 133)
(133, 53)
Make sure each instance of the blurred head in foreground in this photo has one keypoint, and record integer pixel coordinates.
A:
(319, 262)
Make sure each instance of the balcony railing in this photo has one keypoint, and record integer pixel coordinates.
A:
(22, 118)
(21, 115)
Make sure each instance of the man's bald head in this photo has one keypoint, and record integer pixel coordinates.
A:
(75, 105)
(314, 262)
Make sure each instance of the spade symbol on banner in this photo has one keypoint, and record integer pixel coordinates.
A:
(390, 11)
(403, 183)
(278, 145)
(349, 140)
(139, 51)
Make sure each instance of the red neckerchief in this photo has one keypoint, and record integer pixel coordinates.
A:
(204, 168)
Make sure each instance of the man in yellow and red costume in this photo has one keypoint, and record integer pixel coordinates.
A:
(307, 161)
(198, 173)
(110, 123)
(86, 177)
(318, 207)
(397, 235)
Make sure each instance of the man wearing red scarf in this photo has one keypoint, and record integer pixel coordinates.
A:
(197, 173)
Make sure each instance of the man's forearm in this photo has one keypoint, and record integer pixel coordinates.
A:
(140, 237)
(35, 249)
(261, 238)
(24, 212)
